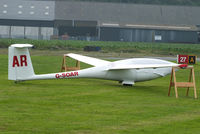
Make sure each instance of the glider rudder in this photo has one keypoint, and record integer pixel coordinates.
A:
(19, 62)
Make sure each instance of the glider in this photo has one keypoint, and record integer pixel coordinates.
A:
(126, 71)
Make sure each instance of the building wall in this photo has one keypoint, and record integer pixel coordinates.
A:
(121, 13)
(27, 10)
(4, 31)
(26, 32)
(127, 13)
(147, 35)
(37, 19)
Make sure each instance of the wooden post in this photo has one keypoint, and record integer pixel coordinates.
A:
(171, 83)
(190, 76)
(66, 68)
(194, 83)
(188, 84)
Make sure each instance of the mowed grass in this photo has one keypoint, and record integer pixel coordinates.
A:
(93, 106)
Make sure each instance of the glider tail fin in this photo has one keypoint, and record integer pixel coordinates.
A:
(19, 62)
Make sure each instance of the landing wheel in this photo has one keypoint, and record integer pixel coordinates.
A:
(128, 85)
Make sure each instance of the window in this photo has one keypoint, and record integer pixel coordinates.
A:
(47, 7)
(5, 5)
(46, 13)
(19, 12)
(4, 11)
(20, 6)
(32, 13)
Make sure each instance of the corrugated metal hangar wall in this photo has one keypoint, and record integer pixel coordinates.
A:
(148, 35)
(98, 21)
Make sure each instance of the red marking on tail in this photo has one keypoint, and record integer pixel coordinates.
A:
(183, 66)
(15, 61)
(23, 61)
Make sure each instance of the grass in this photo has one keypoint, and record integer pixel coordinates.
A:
(107, 47)
(93, 106)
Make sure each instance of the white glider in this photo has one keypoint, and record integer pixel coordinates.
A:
(126, 71)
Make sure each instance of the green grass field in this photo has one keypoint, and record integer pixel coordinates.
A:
(92, 106)
(169, 49)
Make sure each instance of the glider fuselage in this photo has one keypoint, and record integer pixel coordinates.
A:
(126, 76)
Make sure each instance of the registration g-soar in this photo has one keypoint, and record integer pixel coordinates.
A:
(126, 71)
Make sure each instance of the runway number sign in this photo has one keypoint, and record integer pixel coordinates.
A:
(186, 59)
(183, 59)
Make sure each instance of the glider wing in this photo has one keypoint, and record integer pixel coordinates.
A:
(141, 66)
(88, 60)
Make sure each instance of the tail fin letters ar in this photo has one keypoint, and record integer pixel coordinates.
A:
(23, 61)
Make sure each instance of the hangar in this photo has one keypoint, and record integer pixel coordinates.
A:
(53, 19)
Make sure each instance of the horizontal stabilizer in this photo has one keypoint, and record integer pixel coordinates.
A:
(88, 60)
(21, 45)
